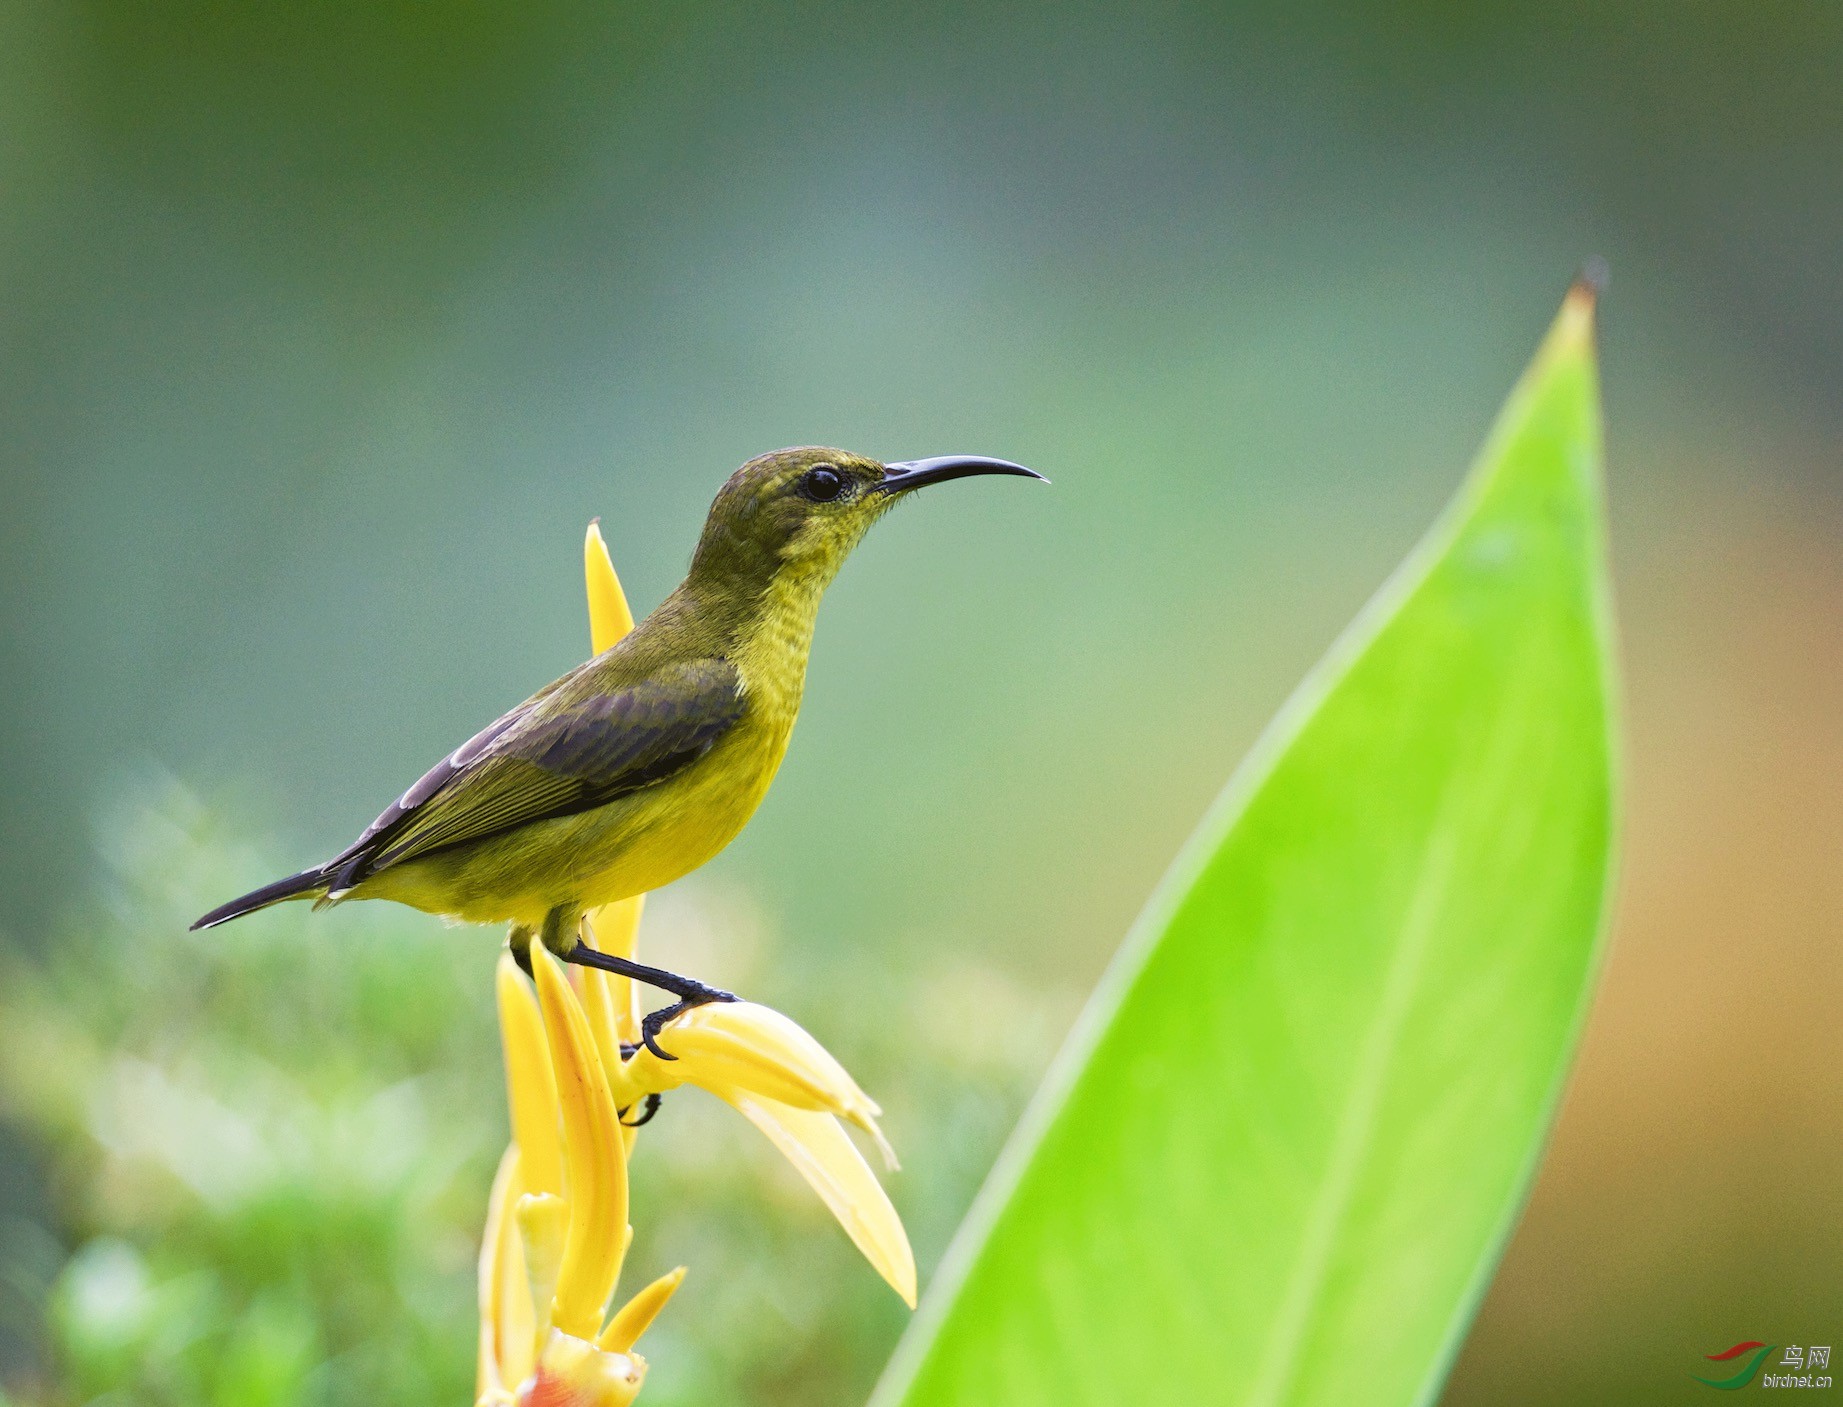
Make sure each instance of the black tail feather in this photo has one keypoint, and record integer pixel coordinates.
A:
(294, 887)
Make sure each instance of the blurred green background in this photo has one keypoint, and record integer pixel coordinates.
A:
(324, 331)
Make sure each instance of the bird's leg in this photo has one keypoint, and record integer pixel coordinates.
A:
(518, 940)
(689, 991)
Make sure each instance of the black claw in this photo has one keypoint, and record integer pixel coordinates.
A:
(649, 1030)
(650, 1108)
(655, 1021)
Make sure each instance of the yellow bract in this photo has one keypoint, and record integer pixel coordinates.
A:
(609, 616)
(556, 1228)
(593, 1158)
(742, 1046)
(833, 1167)
(531, 1089)
(624, 1330)
(550, 1260)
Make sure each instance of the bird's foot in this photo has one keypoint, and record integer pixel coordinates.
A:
(656, 1021)
(689, 991)
(649, 1107)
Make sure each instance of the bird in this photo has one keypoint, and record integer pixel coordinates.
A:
(639, 766)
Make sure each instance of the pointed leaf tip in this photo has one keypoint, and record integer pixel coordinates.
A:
(1572, 334)
(1594, 277)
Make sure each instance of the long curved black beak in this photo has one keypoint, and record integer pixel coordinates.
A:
(916, 473)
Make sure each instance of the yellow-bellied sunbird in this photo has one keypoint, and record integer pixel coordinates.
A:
(637, 767)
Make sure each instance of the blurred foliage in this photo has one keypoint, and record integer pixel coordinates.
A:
(270, 1148)
(267, 1152)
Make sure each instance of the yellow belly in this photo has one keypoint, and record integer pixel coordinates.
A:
(641, 842)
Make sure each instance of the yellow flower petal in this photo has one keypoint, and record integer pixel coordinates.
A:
(543, 1222)
(598, 1009)
(745, 1045)
(831, 1163)
(497, 1203)
(489, 1379)
(531, 1088)
(609, 617)
(634, 1317)
(514, 1315)
(572, 1372)
(595, 1160)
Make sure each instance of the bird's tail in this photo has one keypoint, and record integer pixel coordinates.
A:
(296, 886)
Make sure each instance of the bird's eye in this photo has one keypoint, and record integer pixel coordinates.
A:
(822, 483)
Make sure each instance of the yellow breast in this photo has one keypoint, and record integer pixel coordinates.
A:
(673, 828)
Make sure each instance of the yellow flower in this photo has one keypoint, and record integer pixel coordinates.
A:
(552, 1252)
(556, 1229)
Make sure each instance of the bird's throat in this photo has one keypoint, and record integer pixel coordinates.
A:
(772, 647)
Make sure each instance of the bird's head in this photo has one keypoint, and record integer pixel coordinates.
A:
(801, 511)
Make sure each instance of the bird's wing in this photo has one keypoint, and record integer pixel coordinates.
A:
(556, 754)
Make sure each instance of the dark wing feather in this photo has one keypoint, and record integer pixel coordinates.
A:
(555, 755)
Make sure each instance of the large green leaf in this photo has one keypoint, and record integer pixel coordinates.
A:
(1281, 1154)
